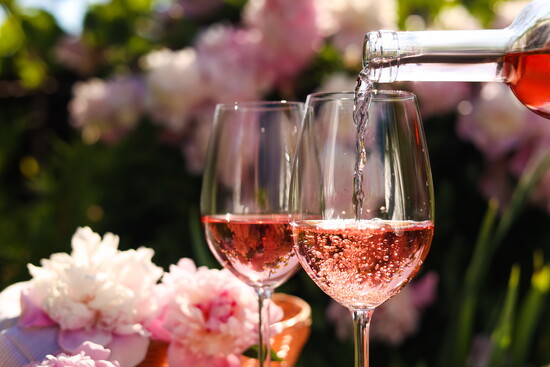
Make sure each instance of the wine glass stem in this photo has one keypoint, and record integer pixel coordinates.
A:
(264, 344)
(361, 324)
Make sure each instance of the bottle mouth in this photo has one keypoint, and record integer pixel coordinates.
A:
(381, 53)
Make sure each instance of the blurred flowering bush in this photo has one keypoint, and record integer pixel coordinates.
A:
(108, 128)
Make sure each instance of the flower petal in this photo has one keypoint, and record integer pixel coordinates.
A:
(128, 350)
(31, 313)
(93, 350)
(71, 340)
(10, 300)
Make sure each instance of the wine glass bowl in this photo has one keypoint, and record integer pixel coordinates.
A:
(257, 248)
(244, 197)
(362, 231)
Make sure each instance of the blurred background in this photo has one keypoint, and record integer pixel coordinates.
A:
(106, 107)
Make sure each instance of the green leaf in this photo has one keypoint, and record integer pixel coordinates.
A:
(530, 312)
(138, 6)
(460, 336)
(32, 71)
(12, 37)
(502, 334)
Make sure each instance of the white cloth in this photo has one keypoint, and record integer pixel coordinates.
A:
(20, 346)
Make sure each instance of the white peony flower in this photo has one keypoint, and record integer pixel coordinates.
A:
(174, 86)
(456, 17)
(507, 11)
(349, 20)
(106, 110)
(97, 287)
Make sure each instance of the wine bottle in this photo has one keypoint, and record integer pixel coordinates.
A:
(518, 55)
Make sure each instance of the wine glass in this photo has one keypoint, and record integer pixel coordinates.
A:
(244, 198)
(361, 244)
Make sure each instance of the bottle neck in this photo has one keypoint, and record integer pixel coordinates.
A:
(436, 55)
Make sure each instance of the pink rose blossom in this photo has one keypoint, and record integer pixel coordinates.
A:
(210, 318)
(106, 110)
(87, 355)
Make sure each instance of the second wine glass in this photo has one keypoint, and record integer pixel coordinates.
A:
(362, 239)
(244, 198)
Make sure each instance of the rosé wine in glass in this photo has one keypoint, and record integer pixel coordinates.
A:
(257, 248)
(244, 197)
(362, 263)
(361, 199)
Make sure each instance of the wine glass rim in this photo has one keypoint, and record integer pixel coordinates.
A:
(377, 95)
(259, 105)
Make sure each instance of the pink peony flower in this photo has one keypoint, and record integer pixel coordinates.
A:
(106, 110)
(231, 65)
(194, 145)
(210, 318)
(497, 123)
(288, 50)
(438, 98)
(87, 355)
(510, 137)
(347, 21)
